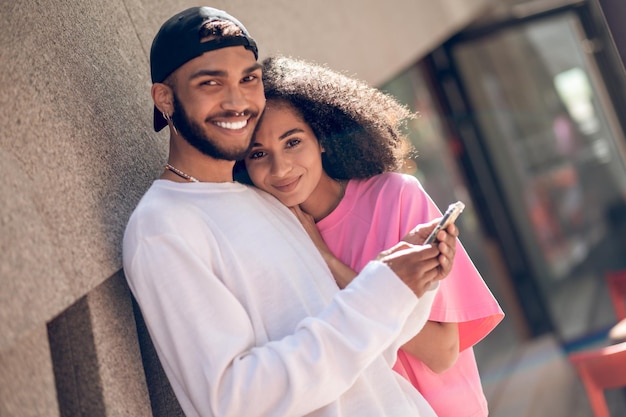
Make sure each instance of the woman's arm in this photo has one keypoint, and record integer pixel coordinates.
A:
(342, 273)
(437, 344)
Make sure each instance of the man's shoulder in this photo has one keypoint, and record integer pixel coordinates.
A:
(153, 202)
(166, 205)
(162, 207)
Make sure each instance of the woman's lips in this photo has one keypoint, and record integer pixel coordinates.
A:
(287, 186)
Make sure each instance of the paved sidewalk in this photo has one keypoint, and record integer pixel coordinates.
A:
(535, 379)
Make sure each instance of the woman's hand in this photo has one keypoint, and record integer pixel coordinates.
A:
(342, 273)
(309, 225)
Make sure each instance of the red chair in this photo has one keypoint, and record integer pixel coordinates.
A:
(616, 282)
(601, 369)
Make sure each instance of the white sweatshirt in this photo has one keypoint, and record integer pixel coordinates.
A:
(247, 319)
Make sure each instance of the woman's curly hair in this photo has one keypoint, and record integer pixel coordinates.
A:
(359, 126)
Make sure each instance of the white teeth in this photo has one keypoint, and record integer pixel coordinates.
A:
(232, 125)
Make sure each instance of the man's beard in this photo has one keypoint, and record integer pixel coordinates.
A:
(192, 132)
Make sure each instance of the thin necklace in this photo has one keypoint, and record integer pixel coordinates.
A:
(180, 173)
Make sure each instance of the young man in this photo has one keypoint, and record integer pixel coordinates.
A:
(243, 311)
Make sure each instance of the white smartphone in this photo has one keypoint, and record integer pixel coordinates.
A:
(448, 218)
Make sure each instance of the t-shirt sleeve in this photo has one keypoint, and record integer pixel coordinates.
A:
(463, 296)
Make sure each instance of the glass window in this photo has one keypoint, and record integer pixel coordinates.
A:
(551, 134)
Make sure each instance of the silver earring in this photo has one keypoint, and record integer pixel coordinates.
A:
(167, 117)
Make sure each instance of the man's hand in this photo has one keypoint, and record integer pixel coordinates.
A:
(417, 266)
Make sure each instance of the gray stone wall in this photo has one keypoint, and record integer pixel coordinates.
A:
(77, 151)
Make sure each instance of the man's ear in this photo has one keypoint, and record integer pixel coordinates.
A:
(163, 97)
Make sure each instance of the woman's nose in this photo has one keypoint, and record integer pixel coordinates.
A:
(280, 166)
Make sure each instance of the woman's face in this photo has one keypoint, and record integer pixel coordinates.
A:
(286, 158)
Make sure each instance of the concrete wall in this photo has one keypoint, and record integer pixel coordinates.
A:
(77, 152)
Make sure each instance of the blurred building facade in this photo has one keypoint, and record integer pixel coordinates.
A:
(518, 120)
(529, 99)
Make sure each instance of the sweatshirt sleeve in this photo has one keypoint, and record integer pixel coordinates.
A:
(206, 343)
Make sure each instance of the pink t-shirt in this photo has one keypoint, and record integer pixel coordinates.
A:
(374, 215)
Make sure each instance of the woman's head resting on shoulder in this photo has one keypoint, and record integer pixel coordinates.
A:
(346, 127)
(286, 157)
(360, 127)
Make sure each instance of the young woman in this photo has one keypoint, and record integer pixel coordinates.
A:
(331, 148)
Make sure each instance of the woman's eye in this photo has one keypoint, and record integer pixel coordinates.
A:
(293, 142)
(256, 155)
